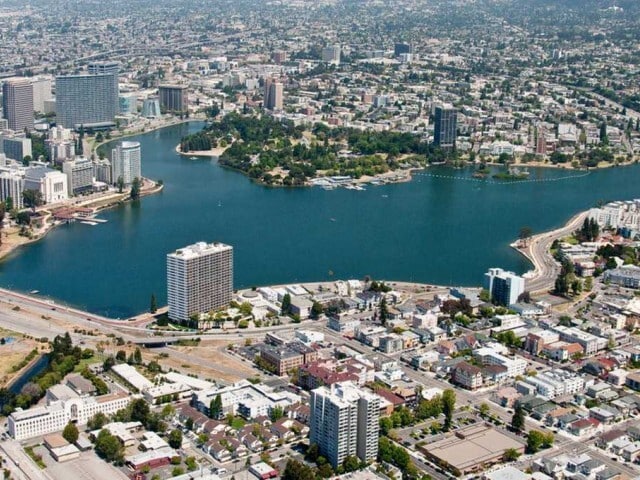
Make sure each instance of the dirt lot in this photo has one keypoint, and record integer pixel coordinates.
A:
(209, 360)
(15, 349)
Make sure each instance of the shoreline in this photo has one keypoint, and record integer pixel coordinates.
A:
(536, 251)
(96, 205)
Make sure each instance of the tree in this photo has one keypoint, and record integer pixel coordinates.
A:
(276, 413)
(175, 438)
(535, 441)
(383, 311)
(511, 455)
(26, 160)
(134, 194)
(98, 421)
(351, 463)
(525, 235)
(448, 407)
(120, 184)
(139, 410)
(316, 310)
(8, 204)
(70, 433)
(215, 407)
(108, 446)
(153, 304)
(32, 199)
(121, 356)
(484, 409)
(295, 470)
(137, 356)
(312, 452)
(286, 304)
(518, 419)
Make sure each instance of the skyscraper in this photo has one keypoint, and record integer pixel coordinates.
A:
(41, 93)
(331, 54)
(87, 100)
(126, 162)
(199, 279)
(273, 93)
(173, 98)
(17, 103)
(400, 48)
(344, 422)
(504, 287)
(446, 127)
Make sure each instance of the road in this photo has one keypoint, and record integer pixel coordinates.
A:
(546, 268)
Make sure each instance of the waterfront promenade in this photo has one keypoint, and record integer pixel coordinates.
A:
(537, 251)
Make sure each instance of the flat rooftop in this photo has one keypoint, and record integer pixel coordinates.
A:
(472, 447)
(199, 249)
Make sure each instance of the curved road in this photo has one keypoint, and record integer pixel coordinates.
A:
(546, 268)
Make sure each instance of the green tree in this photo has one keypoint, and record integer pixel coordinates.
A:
(120, 184)
(484, 409)
(276, 413)
(70, 433)
(98, 421)
(32, 199)
(175, 438)
(383, 311)
(8, 204)
(535, 440)
(351, 463)
(295, 470)
(448, 407)
(518, 419)
(137, 356)
(511, 455)
(139, 411)
(108, 446)
(286, 304)
(153, 304)
(316, 310)
(215, 407)
(525, 235)
(135, 189)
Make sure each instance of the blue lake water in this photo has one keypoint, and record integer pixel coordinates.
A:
(432, 229)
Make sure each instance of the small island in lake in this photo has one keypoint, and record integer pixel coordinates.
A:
(278, 152)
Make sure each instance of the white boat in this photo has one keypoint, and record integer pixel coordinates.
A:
(329, 187)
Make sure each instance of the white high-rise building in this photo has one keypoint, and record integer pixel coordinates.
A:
(41, 93)
(126, 162)
(504, 287)
(331, 54)
(199, 279)
(344, 422)
(11, 186)
(79, 174)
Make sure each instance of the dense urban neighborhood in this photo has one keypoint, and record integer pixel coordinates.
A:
(524, 376)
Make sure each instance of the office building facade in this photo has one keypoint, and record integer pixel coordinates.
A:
(12, 186)
(16, 147)
(199, 279)
(445, 127)
(90, 101)
(42, 92)
(17, 104)
(79, 174)
(402, 48)
(504, 287)
(273, 94)
(344, 422)
(331, 54)
(151, 107)
(126, 162)
(173, 98)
